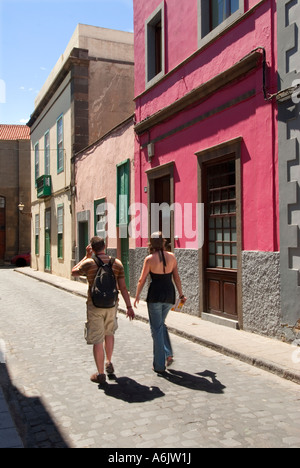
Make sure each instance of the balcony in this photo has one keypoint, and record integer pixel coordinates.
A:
(43, 186)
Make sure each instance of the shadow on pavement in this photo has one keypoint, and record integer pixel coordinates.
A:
(195, 383)
(35, 426)
(129, 390)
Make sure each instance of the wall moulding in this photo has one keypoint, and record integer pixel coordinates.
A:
(203, 91)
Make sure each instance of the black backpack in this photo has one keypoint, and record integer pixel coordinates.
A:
(104, 292)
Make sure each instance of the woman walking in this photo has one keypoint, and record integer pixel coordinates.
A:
(162, 267)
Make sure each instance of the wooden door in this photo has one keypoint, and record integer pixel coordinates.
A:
(161, 201)
(221, 239)
(48, 240)
(83, 238)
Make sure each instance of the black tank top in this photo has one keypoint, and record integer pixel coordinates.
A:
(161, 288)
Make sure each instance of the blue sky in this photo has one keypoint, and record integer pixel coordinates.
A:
(33, 35)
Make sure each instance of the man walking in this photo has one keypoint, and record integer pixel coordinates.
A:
(101, 323)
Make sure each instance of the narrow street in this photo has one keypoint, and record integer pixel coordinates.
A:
(205, 400)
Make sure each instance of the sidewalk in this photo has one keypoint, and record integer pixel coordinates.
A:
(263, 352)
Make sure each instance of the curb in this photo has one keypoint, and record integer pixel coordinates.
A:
(260, 363)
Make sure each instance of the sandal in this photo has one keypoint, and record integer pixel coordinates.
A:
(170, 361)
(98, 378)
(109, 368)
(159, 372)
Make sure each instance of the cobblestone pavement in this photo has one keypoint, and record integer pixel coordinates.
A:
(205, 400)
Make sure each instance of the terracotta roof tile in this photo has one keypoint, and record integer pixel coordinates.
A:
(14, 132)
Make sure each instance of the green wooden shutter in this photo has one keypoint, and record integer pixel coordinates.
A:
(123, 172)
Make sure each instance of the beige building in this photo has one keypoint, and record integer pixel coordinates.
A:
(89, 91)
(14, 189)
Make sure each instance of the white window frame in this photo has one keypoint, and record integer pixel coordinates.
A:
(158, 15)
(60, 230)
(60, 143)
(204, 33)
(47, 152)
(36, 161)
(37, 234)
(101, 218)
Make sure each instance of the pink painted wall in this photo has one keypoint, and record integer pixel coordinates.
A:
(253, 120)
(95, 172)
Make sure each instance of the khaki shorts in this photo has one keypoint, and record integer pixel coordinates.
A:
(100, 323)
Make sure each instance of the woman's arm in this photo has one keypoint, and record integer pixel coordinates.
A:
(142, 280)
(177, 282)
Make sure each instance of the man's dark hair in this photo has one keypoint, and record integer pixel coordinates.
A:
(97, 243)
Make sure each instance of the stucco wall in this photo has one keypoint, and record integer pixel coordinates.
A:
(110, 96)
(95, 172)
(224, 116)
(60, 104)
(99, 42)
(261, 293)
(289, 167)
(235, 110)
(15, 188)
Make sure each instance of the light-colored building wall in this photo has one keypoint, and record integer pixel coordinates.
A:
(100, 42)
(59, 105)
(91, 88)
(110, 57)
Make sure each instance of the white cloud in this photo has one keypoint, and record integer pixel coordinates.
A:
(30, 90)
(23, 121)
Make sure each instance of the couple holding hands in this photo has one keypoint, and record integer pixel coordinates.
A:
(101, 324)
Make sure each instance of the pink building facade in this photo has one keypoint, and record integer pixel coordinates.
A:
(104, 192)
(207, 146)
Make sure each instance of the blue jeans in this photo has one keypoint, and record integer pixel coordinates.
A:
(162, 348)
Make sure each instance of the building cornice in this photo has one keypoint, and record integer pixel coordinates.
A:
(203, 91)
(77, 57)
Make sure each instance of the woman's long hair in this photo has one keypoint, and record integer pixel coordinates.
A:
(157, 244)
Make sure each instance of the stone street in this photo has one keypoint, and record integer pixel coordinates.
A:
(206, 399)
